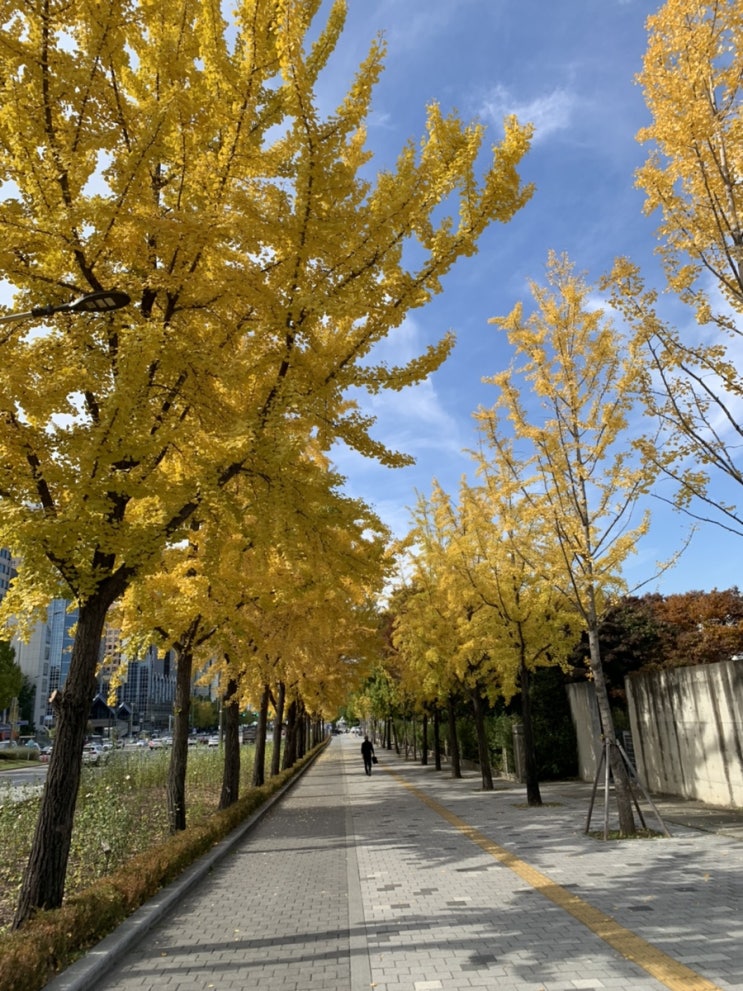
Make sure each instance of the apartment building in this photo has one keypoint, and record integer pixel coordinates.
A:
(145, 685)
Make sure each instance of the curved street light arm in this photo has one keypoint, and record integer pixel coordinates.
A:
(95, 302)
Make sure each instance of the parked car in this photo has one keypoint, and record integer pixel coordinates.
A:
(92, 754)
(213, 741)
(45, 755)
(156, 744)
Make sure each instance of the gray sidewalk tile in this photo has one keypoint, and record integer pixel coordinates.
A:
(353, 882)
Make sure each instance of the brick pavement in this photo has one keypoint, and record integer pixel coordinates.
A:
(410, 881)
(455, 915)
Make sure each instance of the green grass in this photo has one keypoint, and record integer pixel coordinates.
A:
(121, 811)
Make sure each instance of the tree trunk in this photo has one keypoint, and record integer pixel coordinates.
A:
(533, 795)
(456, 766)
(45, 874)
(176, 784)
(622, 789)
(300, 730)
(290, 743)
(424, 739)
(437, 738)
(259, 762)
(483, 751)
(277, 726)
(231, 769)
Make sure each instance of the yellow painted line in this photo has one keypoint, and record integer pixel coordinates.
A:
(674, 975)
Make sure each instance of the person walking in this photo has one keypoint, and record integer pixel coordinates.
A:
(367, 752)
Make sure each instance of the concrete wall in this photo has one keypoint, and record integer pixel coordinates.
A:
(687, 730)
(584, 711)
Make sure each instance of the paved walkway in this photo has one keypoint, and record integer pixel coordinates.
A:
(411, 881)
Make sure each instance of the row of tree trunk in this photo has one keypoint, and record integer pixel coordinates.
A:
(388, 733)
(619, 770)
(291, 722)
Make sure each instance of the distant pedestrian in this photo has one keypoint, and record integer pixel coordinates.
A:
(367, 752)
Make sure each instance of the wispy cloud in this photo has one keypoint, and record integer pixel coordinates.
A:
(413, 421)
(414, 418)
(549, 113)
(427, 19)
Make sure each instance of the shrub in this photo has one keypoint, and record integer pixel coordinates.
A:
(18, 754)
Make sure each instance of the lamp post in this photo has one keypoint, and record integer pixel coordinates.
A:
(95, 302)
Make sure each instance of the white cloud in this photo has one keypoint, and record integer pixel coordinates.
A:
(427, 20)
(414, 417)
(400, 345)
(549, 113)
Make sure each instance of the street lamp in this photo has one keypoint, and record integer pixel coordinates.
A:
(94, 302)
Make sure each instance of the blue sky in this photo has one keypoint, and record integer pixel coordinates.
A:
(568, 67)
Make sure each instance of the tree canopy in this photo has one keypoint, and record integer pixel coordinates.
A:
(691, 79)
(162, 150)
(141, 149)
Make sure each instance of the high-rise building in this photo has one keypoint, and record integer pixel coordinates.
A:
(146, 687)
(45, 657)
(7, 570)
(61, 619)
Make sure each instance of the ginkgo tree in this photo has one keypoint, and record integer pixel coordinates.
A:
(159, 149)
(175, 609)
(527, 623)
(442, 615)
(692, 80)
(474, 662)
(304, 616)
(500, 618)
(419, 659)
(237, 601)
(567, 402)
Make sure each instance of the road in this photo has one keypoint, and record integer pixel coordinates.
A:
(23, 782)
